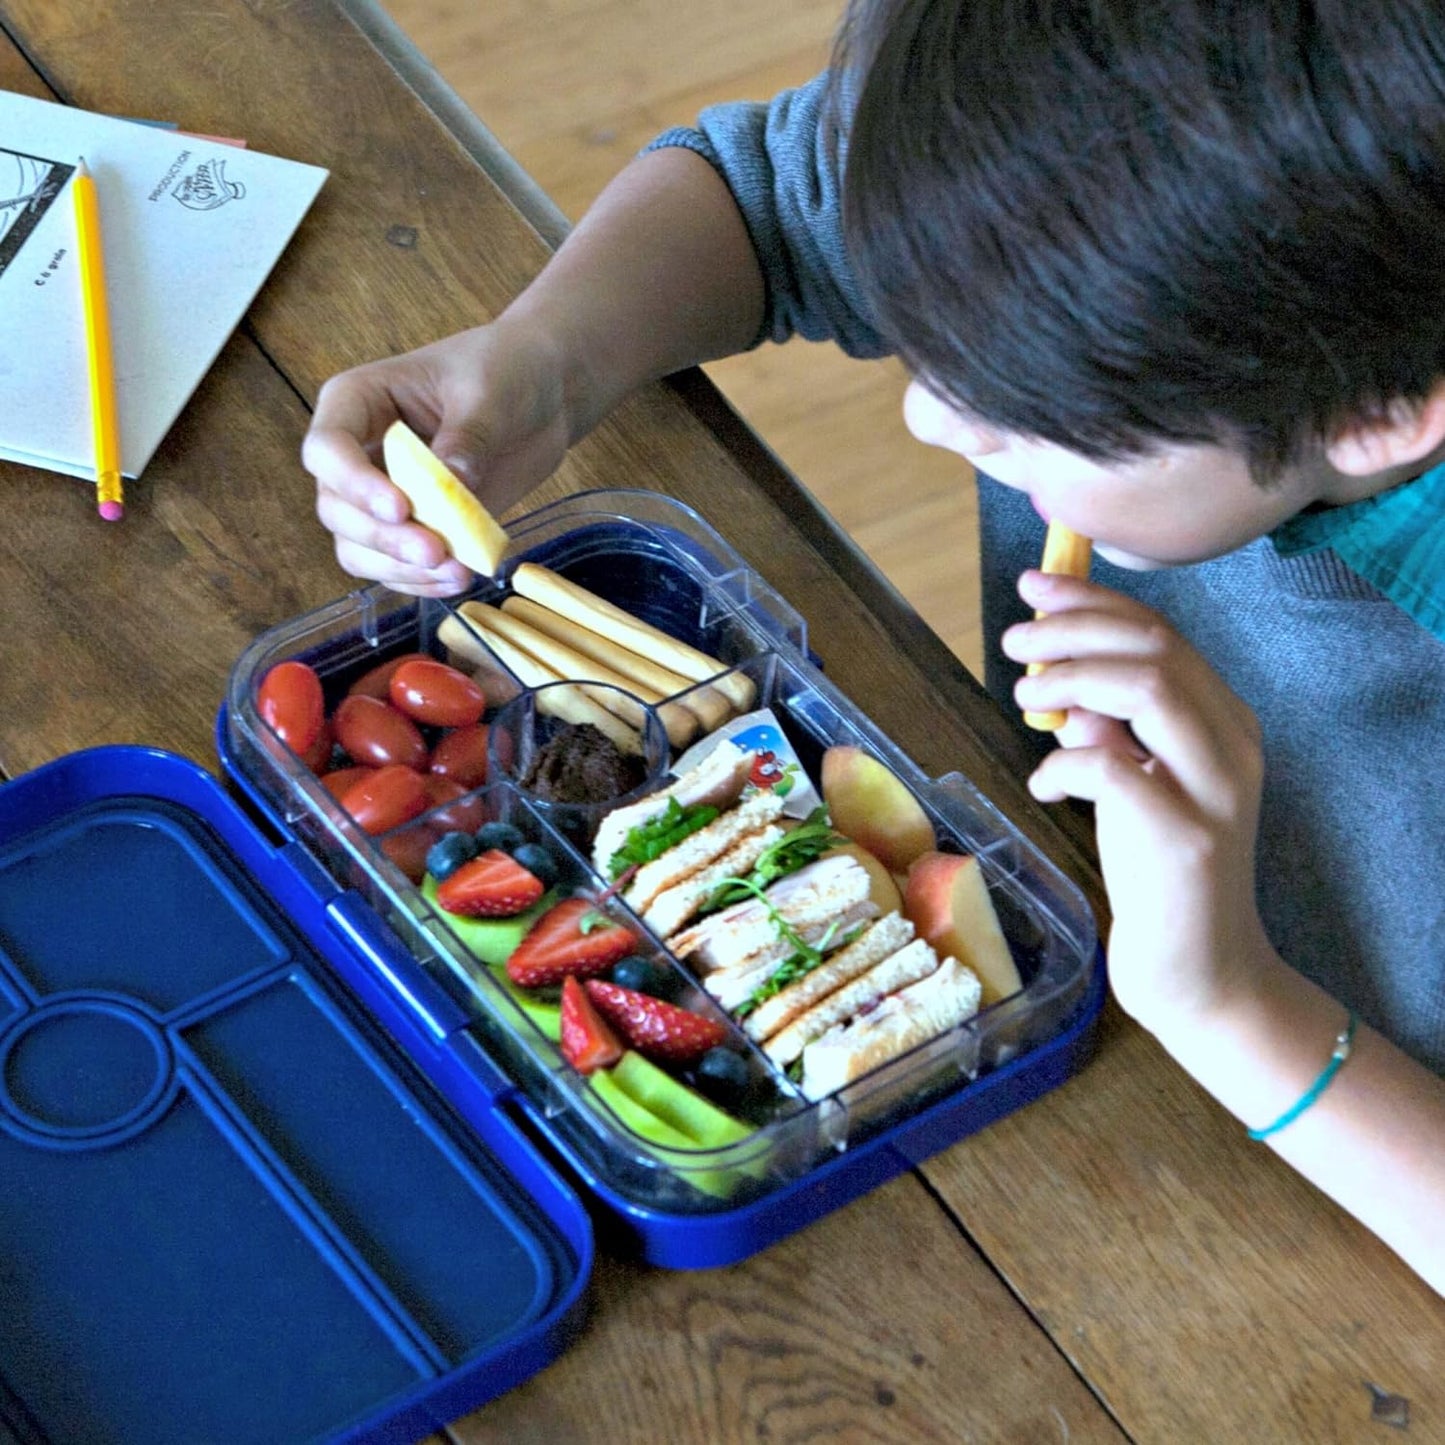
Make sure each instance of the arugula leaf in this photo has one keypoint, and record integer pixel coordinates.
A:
(653, 838)
(792, 968)
(798, 847)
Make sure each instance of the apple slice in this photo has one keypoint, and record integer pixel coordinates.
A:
(439, 500)
(868, 804)
(946, 900)
(675, 1104)
(720, 1183)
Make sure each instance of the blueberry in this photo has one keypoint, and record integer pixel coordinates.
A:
(645, 975)
(499, 835)
(448, 854)
(537, 861)
(723, 1075)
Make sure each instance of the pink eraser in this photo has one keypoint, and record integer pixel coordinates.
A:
(111, 511)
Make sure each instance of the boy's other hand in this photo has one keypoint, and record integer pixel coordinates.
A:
(1171, 760)
(491, 409)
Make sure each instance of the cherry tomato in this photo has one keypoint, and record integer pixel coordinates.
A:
(462, 755)
(454, 815)
(408, 847)
(431, 692)
(373, 733)
(375, 682)
(339, 780)
(318, 756)
(291, 704)
(386, 798)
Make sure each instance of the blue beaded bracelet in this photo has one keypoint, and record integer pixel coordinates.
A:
(1343, 1044)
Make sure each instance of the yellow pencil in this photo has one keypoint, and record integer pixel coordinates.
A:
(108, 487)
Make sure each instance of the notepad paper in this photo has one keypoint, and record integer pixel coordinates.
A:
(192, 227)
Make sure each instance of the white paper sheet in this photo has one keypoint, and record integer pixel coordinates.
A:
(191, 229)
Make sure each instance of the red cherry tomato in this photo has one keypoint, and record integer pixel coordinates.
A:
(291, 704)
(456, 812)
(431, 692)
(408, 847)
(339, 780)
(373, 733)
(376, 682)
(318, 756)
(462, 756)
(386, 798)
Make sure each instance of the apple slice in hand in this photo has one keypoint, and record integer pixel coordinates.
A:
(441, 501)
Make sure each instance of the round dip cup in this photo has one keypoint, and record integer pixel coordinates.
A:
(527, 733)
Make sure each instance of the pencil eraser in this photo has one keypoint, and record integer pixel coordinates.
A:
(111, 511)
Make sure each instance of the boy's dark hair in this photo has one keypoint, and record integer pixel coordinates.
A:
(1114, 223)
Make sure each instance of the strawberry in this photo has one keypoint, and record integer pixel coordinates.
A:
(573, 938)
(653, 1027)
(491, 885)
(588, 1042)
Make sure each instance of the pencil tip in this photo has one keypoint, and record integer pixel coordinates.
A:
(83, 168)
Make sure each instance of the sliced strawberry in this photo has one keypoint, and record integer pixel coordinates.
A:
(588, 1042)
(654, 1027)
(491, 885)
(573, 939)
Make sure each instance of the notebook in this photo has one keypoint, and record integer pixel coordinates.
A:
(192, 226)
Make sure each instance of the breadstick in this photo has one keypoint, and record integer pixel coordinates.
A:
(1068, 553)
(706, 704)
(593, 612)
(567, 701)
(463, 643)
(617, 694)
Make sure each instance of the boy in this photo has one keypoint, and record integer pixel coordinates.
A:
(1173, 275)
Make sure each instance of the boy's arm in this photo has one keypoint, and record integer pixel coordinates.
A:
(658, 275)
(1374, 1140)
(1172, 761)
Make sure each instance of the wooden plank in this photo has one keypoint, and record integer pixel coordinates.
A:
(810, 1341)
(1204, 1289)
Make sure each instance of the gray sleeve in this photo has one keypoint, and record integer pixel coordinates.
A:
(783, 163)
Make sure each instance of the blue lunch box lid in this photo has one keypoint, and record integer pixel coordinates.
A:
(230, 1209)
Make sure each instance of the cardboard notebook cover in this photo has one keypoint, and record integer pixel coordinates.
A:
(191, 228)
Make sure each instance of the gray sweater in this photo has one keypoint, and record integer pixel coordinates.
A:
(1349, 690)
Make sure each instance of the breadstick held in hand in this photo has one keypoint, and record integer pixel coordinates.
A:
(1069, 553)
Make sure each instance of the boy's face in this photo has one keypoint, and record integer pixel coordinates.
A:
(1181, 504)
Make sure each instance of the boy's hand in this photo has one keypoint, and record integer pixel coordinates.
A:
(493, 411)
(1171, 760)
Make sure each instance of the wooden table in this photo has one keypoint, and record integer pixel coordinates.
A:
(1113, 1263)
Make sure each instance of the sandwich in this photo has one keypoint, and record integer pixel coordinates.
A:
(779, 927)
(829, 890)
(704, 840)
(903, 1020)
(626, 835)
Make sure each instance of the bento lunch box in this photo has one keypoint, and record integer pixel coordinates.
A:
(664, 564)
(281, 1158)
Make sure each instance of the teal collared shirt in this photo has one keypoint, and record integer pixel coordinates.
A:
(1395, 541)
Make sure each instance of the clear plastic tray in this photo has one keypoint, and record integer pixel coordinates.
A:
(662, 562)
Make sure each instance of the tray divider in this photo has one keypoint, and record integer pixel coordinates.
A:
(407, 1336)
